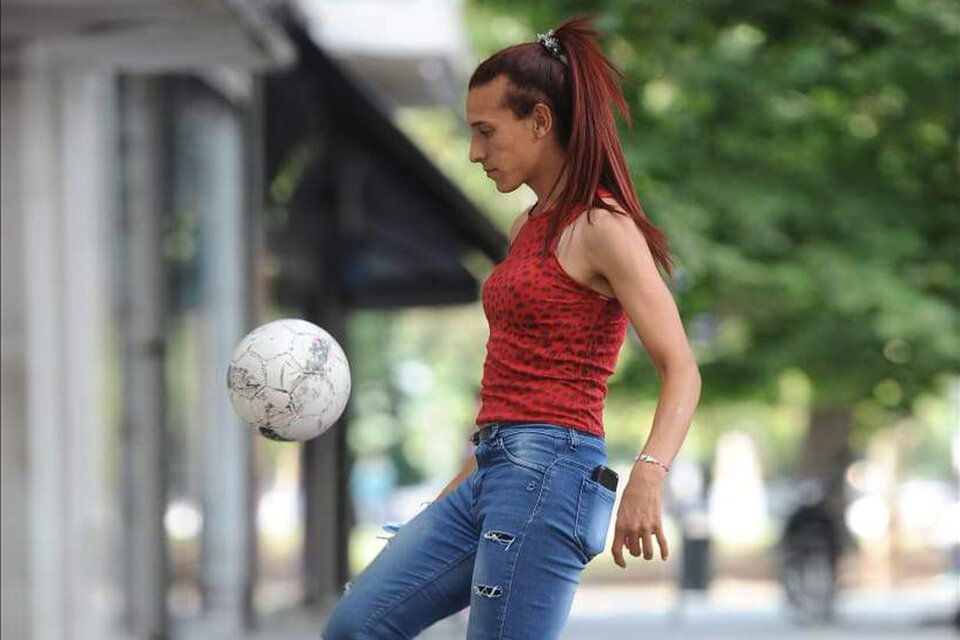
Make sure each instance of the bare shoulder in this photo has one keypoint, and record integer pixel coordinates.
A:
(612, 231)
(615, 221)
(613, 205)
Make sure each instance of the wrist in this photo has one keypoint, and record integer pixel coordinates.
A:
(647, 474)
(645, 460)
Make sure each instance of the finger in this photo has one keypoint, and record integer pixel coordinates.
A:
(617, 549)
(647, 545)
(634, 543)
(662, 541)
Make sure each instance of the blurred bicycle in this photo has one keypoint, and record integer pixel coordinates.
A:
(813, 541)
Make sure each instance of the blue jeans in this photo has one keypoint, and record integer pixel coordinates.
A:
(509, 541)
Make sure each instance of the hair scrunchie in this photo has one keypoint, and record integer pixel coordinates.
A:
(552, 44)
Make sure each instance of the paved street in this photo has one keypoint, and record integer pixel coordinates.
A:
(732, 611)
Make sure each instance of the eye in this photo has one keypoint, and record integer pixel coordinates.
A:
(487, 133)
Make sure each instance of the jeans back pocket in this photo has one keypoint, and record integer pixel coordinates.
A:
(594, 509)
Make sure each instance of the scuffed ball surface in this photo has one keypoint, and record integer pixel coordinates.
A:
(289, 380)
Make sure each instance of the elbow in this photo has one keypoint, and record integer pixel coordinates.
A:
(685, 367)
(685, 373)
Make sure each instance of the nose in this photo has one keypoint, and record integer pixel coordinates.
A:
(475, 155)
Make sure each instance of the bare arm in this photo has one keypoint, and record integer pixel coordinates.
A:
(619, 252)
(621, 255)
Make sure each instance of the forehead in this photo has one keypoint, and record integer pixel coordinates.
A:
(485, 102)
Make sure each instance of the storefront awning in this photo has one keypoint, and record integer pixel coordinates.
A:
(359, 210)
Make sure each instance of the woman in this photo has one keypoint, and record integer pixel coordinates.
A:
(510, 535)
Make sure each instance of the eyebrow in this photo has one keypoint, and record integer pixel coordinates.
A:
(477, 123)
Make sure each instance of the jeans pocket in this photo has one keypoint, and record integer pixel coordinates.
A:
(594, 510)
(532, 450)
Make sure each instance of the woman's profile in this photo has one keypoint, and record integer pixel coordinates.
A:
(510, 535)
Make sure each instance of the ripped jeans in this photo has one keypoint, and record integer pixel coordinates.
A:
(510, 542)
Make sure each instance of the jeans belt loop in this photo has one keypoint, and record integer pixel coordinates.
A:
(483, 433)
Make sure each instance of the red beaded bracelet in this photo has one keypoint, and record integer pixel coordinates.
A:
(646, 457)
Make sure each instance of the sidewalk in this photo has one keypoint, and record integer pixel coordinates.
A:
(736, 610)
(733, 610)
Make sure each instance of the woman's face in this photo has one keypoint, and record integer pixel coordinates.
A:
(507, 147)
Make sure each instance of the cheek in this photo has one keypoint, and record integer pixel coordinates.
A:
(504, 152)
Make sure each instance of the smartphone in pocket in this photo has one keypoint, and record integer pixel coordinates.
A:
(605, 476)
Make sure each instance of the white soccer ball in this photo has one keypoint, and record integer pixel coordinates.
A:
(289, 379)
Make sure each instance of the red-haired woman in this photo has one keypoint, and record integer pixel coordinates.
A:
(510, 535)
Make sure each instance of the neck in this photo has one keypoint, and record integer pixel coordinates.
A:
(547, 183)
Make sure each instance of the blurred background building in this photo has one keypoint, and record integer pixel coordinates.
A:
(147, 152)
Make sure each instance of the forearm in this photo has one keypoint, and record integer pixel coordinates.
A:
(679, 396)
(468, 467)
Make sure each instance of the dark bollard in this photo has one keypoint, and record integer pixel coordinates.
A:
(696, 567)
(695, 573)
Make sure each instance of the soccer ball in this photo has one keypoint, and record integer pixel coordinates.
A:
(289, 379)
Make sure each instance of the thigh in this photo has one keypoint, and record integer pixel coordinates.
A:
(530, 556)
(422, 575)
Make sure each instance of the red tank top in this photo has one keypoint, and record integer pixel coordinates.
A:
(553, 341)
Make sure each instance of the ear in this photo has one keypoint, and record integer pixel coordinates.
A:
(542, 120)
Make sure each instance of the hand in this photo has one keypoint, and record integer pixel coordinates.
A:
(638, 517)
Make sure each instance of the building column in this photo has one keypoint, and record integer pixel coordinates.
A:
(143, 316)
(325, 462)
(65, 209)
(227, 560)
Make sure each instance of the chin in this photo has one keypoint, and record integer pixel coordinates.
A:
(505, 187)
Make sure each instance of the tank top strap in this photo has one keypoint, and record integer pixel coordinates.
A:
(564, 223)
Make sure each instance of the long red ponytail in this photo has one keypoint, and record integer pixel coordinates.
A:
(579, 92)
